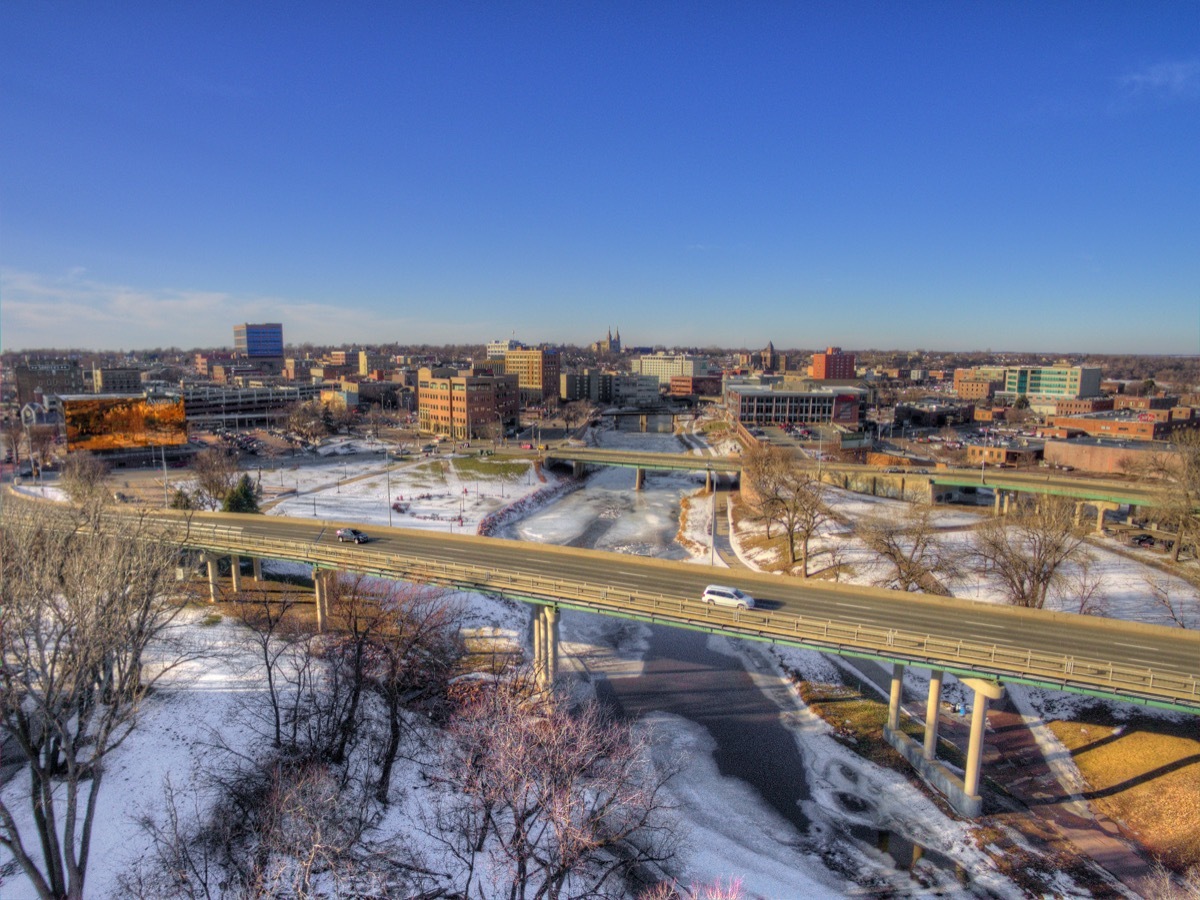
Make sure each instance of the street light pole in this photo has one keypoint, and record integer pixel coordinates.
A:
(388, 471)
(712, 544)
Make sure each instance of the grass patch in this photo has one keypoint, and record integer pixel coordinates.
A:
(488, 468)
(428, 473)
(858, 720)
(1145, 774)
(213, 618)
(715, 427)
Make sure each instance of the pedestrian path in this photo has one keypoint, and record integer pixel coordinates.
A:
(1014, 760)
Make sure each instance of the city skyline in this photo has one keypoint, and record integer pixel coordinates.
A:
(866, 176)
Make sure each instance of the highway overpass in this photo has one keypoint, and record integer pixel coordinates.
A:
(1017, 481)
(984, 644)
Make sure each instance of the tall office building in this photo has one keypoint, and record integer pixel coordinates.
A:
(832, 365)
(262, 340)
(537, 371)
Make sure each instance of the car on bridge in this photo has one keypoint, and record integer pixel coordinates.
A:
(719, 595)
(351, 534)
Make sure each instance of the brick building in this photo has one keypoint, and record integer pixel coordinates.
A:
(833, 364)
(466, 407)
(537, 373)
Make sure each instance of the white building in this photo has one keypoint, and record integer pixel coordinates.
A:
(663, 366)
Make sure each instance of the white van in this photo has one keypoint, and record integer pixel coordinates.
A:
(727, 596)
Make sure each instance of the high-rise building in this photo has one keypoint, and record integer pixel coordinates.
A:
(47, 377)
(1052, 381)
(832, 365)
(466, 407)
(258, 340)
(497, 349)
(537, 373)
(663, 366)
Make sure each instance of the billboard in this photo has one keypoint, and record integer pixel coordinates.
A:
(103, 423)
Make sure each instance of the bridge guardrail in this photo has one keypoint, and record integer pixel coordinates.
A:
(938, 652)
(983, 657)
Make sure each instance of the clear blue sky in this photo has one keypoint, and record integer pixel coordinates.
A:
(942, 175)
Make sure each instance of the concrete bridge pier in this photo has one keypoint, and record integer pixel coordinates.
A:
(932, 704)
(708, 481)
(321, 596)
(577, 469)
(256, 562)
(214, 587)
(235, 573)
(961, 793)
(545, 646)
(643, 423)
(639, 479)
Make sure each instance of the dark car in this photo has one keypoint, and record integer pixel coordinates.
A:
(351, 534)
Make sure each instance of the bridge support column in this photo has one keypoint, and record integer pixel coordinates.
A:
(1008, 500)
(1100, 510)
(257, 563)
(643, 423)
(214, 587)
(708, 481)
(639, 479)
(961, 793)
(235, 573)
(931, 713)
(874, 486)
(893, 719)
(321, 596)
(550, 616)
(996, 502)
(984, 690)
(577, 469)
(1078, 512)
(545, 646)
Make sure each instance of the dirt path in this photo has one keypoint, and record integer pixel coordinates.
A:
(1014, 760)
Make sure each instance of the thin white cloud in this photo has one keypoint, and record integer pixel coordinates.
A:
(74, 311)
(1173, 80)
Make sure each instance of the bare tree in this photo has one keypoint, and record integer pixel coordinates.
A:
(78, 610)
(308, 420)
(14, 433)
(787, 494)
(1178, 496)
(548, 803)
(413, 657)
(216, 473)
(574, 413)
(1085, 588)
(82, 477)
(41, 439)
(281, 826)
(1026, 550)
(1181, 607)
(908, 546)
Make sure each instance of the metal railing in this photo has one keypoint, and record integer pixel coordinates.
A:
(977, 658)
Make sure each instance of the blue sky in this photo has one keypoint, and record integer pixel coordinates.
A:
(1020, 176)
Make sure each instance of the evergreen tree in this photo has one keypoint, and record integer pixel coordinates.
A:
(241, 499)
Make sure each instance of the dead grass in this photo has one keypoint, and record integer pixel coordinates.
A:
(1146, 776)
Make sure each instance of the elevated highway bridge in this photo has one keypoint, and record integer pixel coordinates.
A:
(983, 644)
(1112, 492)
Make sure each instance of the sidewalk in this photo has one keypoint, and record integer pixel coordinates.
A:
(724, 544)
(1013, 759)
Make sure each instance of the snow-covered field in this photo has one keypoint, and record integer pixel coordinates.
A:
(732, 833)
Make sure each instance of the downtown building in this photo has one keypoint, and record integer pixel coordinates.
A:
(664, 366)
(466, 407)
(751, 404)
(537, 374)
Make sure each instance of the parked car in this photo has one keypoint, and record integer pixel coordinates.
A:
(719, 595)
(351, 534)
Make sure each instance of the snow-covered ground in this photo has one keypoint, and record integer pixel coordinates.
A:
(732, 834)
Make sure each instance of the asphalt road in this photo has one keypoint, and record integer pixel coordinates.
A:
(1165, 650)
